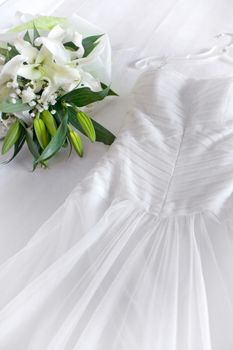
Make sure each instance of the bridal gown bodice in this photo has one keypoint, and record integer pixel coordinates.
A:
(140, 255)
(175, 151)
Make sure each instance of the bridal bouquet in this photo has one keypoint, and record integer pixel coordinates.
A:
(49, 73)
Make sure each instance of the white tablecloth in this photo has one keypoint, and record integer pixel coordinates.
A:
(137, 28)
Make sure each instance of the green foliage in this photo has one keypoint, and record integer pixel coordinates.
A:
(102, 134)
(9, 107)
(27, 37)
(36, 34)
(71, 46)
(84, 96)
(11, 137)
(90, 43)
(8, 52)
(50, 122)
(56, 142)
(41, 132)
(18, 144)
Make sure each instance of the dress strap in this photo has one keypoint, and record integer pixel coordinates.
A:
(223, 51)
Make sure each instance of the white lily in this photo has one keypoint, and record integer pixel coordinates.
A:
(44, 68)
(57, 33)
(26, 50)
(57, 74)
(77, 39)
(53, 43)
(30, 72)
(68, 35)
(10, 69)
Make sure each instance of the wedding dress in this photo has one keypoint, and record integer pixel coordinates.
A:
(140, 255)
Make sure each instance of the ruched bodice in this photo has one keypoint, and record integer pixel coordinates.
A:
(172, 99)
(176, 148)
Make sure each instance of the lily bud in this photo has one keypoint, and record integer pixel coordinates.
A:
(50, 122)
(11, 137)
(41, 132)
(87, 125)
(76, 142)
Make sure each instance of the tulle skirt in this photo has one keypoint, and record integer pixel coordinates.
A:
(130, 281)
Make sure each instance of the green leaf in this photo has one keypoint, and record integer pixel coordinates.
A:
(102, 134)
(4, 52)
(27, 37)
(59, 112)
(36, 34)
(71, 147)
(8, 54)
(12, 53)
(90, 43)
(71, 46)
(11, 137)
(42, 22)
(32, 145)
(22, 81)
(110, 92)
(84, 96)
(56, 142)
(18, 145)
(9, 107)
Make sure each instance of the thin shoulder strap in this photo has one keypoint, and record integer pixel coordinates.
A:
(218, 50)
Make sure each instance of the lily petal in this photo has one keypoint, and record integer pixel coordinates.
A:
(30, 71)
(76, 38)
(26, 50)
(57, 33)
(10, 69)
(48, 92)
(56, 48)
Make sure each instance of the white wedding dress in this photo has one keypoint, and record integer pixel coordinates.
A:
(140, 255)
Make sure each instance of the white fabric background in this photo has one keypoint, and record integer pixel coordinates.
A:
(137, 28)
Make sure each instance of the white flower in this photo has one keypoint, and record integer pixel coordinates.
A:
(76, 38)
(26, 50)
(28, 95)
(10, 69)
(30, 72)
(56, 49)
